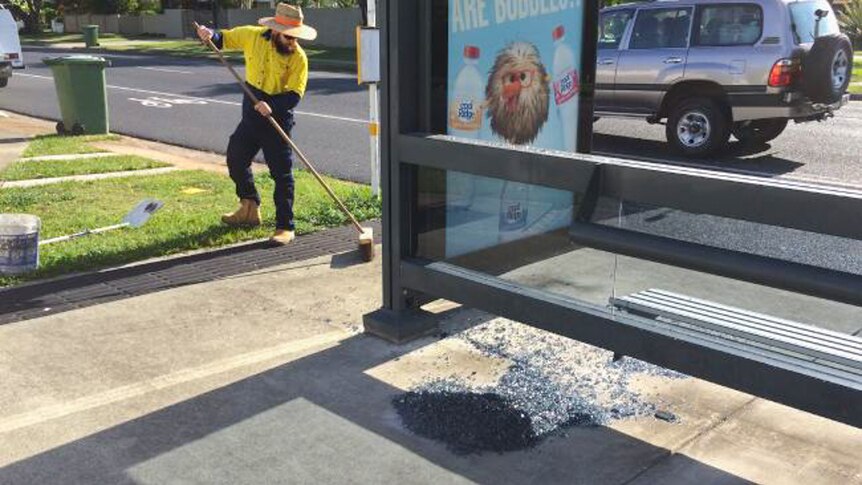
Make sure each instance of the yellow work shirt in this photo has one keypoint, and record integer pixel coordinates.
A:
(265, 68)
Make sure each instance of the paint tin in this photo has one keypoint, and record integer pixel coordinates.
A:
(19, 243)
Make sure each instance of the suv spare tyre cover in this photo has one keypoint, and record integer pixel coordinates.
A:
(821, 70)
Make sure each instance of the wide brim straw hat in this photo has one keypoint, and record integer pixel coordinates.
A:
(289, 20)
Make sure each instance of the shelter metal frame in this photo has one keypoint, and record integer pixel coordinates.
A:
(409, 141)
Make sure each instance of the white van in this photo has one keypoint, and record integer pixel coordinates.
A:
(10, 47)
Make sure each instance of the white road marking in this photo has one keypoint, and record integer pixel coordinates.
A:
(151, 103)
(209, 100)
(805, 178)
(161, 69)
(157, 102)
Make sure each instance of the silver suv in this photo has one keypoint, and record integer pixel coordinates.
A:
(713, 68)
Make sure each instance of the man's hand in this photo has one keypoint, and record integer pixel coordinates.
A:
(263, 108)
(204, 33)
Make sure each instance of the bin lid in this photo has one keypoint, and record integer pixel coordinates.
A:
(19, 224)
(78, 59)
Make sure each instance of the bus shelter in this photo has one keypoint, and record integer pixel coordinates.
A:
(493, 199)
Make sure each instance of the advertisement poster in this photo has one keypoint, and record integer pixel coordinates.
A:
(513, 80)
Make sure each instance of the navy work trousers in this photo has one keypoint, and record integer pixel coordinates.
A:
(255, 133)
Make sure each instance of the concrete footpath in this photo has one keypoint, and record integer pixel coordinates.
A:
(12, 141)
(265, 377)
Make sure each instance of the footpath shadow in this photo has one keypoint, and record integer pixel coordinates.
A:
(215, 90)
(9, 141)
(319, 85)
(323, 419)
(334, 85)
(80, 291)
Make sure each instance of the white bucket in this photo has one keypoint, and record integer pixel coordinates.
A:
(19, 243)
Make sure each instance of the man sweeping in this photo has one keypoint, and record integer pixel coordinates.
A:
(276, 72)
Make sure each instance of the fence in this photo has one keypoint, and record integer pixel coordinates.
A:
(335, 27)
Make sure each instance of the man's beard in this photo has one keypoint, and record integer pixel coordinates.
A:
(284, 49)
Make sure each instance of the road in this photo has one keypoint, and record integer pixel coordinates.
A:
(195, 103)
(827, 152)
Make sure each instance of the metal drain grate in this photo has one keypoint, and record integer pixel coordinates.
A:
(51, 297)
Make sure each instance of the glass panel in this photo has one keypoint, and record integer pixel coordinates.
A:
(612, 28)
(515, 231)
(513, 79)
(661, 28)
(804, 21)
(634, 275)
(726, 25)
(484, 212)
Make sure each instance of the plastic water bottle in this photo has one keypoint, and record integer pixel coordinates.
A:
(465, 120)
(468, 96)
(565, 88)
(513, 209)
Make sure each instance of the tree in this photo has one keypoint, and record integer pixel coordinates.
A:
(850, 18)
(31, 11)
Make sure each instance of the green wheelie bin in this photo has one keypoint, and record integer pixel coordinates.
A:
(91, 35)
(80, 83)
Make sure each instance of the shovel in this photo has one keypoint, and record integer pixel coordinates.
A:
(137, 217)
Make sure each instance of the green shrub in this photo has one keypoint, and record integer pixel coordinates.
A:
(850, 19)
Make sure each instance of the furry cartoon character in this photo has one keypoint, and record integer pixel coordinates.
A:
(517, 93)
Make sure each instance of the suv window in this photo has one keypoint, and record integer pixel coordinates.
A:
(661, 28)
(803, 21)
(612, 28)
(724, 25)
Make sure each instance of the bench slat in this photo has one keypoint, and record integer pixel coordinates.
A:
(715, 318)
(843, 343)
(838, 337)
(765, 337)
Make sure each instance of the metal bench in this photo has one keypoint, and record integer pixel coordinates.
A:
(814, 348)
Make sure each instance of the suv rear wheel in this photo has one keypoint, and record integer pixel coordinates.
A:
(697, 127)
(4, 81)
(759, 131)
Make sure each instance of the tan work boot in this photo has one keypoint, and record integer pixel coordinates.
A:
(282, 237)
(248, 214)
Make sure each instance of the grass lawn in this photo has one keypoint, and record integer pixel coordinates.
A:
(175, 47)
(45, 145)
(194, 201)
(84, 166)
(48, 38)
(857, 73)
(191, 48)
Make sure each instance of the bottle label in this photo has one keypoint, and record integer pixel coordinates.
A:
(566, 87)
(465, 115)
(513, 216)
